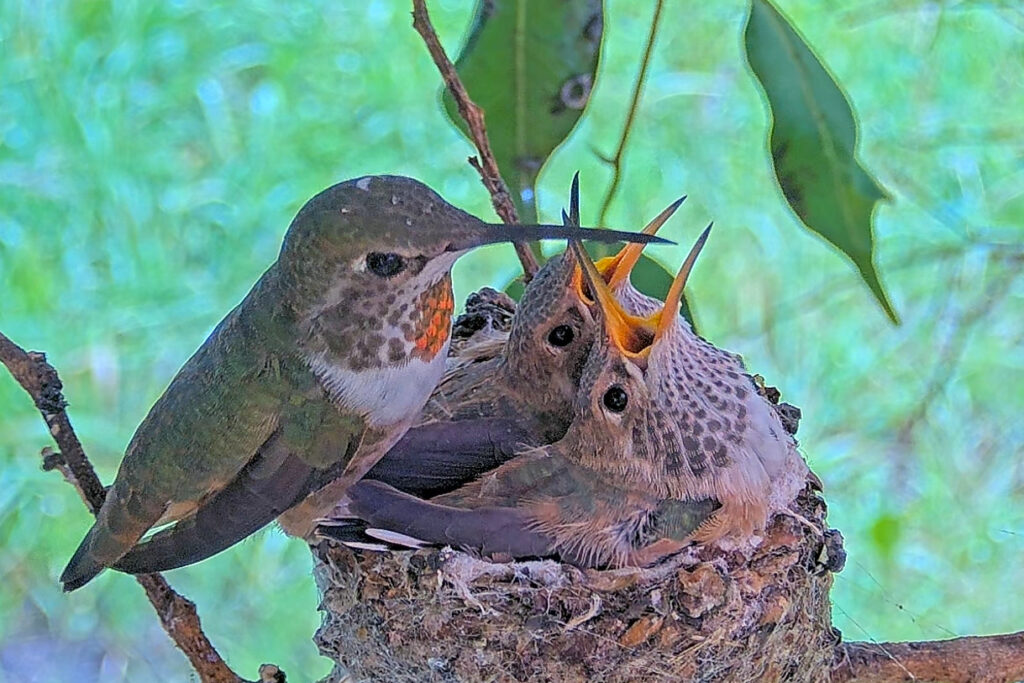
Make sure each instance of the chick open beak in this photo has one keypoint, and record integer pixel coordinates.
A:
(616, 269)
(631, 335)
(666, 317)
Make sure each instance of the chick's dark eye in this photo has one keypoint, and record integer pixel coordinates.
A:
(615, 399)
(561, 336)
(385, 264)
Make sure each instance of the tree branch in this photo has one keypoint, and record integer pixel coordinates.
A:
(177, 614)
(638, 86)
(473, 115)
(971, 659)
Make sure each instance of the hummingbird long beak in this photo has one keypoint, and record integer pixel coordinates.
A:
(632, 335)
(616, 269)
(492, 233)
(666, 317)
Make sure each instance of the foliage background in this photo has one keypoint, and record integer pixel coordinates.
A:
(152, 155)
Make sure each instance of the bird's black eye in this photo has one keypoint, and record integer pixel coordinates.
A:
(385, 264)
(561, 336)
(615, 399)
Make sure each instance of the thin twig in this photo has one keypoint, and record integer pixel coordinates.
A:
(975, 659)
(473, 115)
(952, 350)
(177, 614)
(638, 86)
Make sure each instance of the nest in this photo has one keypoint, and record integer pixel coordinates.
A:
(705, 615)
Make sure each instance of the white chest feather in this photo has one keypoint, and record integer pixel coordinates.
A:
(384, 396)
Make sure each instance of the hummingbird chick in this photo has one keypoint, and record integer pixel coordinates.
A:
(309, 380)
(710, 434)
(669, 444)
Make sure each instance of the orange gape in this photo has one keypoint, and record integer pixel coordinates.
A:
(432, 329)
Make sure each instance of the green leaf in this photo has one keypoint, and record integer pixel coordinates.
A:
(530, 64)
(515, 288)
(813, 142)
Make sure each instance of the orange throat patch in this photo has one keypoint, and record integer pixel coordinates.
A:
(434, 323)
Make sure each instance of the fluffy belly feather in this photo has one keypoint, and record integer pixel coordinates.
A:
(384, 396)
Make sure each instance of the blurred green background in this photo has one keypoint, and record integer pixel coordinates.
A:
(152, 155)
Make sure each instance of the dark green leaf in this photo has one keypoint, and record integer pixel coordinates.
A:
(530, 64)
(515, 288)
(653, 279)
(813, 142)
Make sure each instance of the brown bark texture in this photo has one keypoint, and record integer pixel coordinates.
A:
(975, 659)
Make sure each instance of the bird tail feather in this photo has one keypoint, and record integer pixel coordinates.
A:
(83, 567)
(121, 522)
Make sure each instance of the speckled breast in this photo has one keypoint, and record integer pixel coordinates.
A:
(431, 321)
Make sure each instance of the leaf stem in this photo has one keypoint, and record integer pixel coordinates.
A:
(638, 86)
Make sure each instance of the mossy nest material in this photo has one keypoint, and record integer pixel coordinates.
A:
(705, 615)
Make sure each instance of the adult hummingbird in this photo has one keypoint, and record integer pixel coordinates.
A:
(310, 379)
(514, 391)
(479, 415)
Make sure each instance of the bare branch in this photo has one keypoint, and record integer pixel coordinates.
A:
(974, 659)
(952, 350)
(638, 86)
(473, 115)
(177, 614)
(41, 382)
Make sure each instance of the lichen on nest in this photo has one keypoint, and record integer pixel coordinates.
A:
(707, 614)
